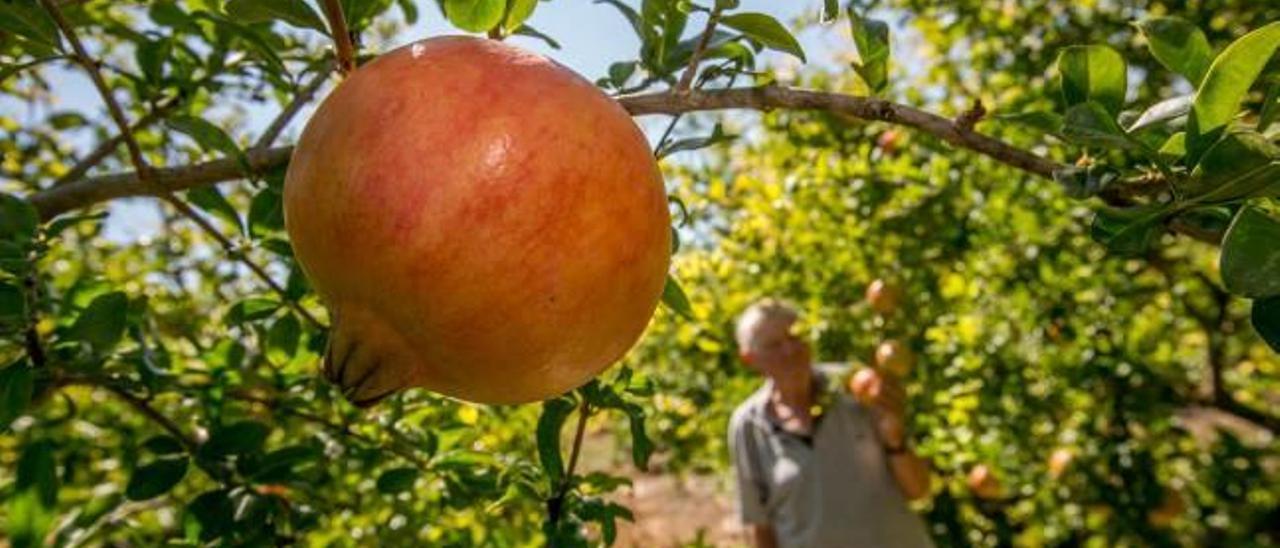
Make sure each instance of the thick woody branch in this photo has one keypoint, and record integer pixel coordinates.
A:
(85, 192)
(54, 201)
(866, 108)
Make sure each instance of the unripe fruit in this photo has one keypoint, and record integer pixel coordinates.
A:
(882, 297)
(887, 141)
(1059, 460)
(983, 482)
(1170, 508)
(865, 386)
(480, 221)
(895, 357)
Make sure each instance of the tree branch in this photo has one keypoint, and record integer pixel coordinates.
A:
(687, 78)
(109, 146)
(344, 49)
(55, 201)
(144, 173)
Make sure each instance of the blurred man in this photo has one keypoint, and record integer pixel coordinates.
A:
(814, 467)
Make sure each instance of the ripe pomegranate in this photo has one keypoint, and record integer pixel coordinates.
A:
(1059, 460)
(882, 297)
(480, 221)
(866, 386)
(895, 357)
(983, 482)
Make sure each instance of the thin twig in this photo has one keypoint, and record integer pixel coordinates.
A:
(144, 172)
(345, 50)
(144, 407)
(104, 149)
(555, 505)
(686, 79)
(81, 57)
(305, 94)
(237, 253)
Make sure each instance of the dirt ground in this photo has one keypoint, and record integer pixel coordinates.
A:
(670, 510)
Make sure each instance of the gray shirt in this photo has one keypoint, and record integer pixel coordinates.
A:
(831, 490)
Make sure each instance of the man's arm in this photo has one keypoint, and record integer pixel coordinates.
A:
(909, 470)
(764, 537)
(912, 474)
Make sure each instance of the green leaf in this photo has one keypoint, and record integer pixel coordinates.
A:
(766, 30)
(18, 219)
(409, 9)
(210, 199)
(293, 12)
(13, 306)
(28, 20)
(166, 13)
(550, 422)
(397, 480)
(694, 143)
(277, 465)
(102, 323)
(264, 50)
(208, 136)
(214, 513)
(164, 445)
(1049, 123)
(1209, 219)
(251, 309)
(1225, 85)
(641, 445)
(1250, 260)
(1130, 231)
(1240, 165)
(830, 10)
(266, 213)
(518, 11)
(475, 15)
(675, 299)
(282, 338)
(1164, 111)
(151, 56)
(1093, 73)
(526, 30)
(1178, 45)
(37, 471)
(1270, 106)
(1175, 147)
(871, 38)
(156, 478)
(1266, 321)
(16, 384)
(236, 439)
(1090, 124)
(34, 494)
(619, 73)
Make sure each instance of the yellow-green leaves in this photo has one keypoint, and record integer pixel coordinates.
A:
(1250, 261)
(1093, 73)
(766, 30)
(475, 15)
(1225, 85)
(1178, 45)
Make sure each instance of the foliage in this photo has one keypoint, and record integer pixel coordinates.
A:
(160, 391)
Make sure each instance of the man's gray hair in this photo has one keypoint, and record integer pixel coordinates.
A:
(759, 311)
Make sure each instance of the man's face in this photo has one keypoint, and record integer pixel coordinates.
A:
(774, 347)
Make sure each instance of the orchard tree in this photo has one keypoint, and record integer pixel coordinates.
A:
(1062, 228)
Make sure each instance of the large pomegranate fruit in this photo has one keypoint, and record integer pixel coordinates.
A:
(480, 221)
